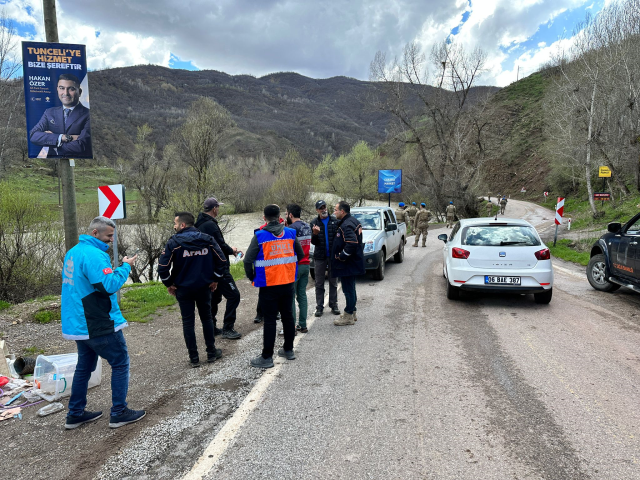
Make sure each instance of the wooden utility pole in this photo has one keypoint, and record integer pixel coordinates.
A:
(67, 175)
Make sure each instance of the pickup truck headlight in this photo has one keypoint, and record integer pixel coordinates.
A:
(368, 247)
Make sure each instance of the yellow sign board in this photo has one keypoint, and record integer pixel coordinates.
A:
(605, 172)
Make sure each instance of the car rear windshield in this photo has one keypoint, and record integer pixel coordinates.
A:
(368, 220)
(500, 235)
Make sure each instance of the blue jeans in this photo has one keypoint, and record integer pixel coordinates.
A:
(113, 348)
(349, 290)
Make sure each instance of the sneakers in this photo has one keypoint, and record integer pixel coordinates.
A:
(213, 358)
(194, 363)
(86, 417)
(288, 354)
(335, 310)
(261, 362)
(258, 319)
(231, 334)
(217, 331)
(318, 312)
(301, 329)
(126, 417)
(345, 319)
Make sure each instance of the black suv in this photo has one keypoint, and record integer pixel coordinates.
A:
(615, 258)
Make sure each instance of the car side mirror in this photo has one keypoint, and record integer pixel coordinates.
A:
(614, 227)
(443, 237)
(391, 227)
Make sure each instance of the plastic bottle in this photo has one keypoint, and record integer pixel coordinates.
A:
(239, 256)
(49, 409)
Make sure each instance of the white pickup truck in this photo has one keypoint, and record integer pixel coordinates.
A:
(383, 238)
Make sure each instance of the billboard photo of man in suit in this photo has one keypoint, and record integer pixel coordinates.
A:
(65, 131)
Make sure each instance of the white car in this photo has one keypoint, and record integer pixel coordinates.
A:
(504, 255)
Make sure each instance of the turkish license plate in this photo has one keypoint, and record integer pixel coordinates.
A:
(494, 280)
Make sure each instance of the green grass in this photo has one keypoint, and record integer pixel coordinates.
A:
(141, 301)
(46, 298)
(579, 211)
(237, 270)
(4, 305)
(566, 250)
(33, 351)
(46, 316)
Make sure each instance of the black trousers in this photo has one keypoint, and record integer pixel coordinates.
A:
(272, 300)
(226, 288)
(188, 299)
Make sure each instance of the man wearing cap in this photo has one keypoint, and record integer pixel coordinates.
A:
(271, 263)
(227, 288)
(323, 232)
(422, 225)
(411, 212)
(401, 214)
(451, 215)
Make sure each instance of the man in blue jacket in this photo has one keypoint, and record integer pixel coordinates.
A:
(91, 316)
(191, 266)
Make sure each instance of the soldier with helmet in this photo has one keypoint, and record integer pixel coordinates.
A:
(422, 225)
(451, 214)
(411, 212)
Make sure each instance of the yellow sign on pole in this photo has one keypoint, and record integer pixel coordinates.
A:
(604, 172)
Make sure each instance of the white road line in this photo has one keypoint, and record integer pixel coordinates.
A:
(225, 436)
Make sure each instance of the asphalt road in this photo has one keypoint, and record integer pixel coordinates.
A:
(490, 387)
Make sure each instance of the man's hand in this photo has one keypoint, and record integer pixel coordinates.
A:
(316, 229)
(172, 290)
(213, 286)
(131, 260)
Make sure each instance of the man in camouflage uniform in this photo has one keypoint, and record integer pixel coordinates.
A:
(411, 212)
(489, 208)
(401, 214)
(503, 205)
(422, 225)
(451, 215)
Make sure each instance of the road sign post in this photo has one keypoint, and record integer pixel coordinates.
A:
(112, 204)
(604, 173)
(558, 219)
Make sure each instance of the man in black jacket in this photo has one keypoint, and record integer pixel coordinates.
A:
(191, 266)
(227, 288)
(324, 228)
(347, 259)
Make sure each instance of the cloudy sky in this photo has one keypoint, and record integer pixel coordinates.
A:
(319, 39)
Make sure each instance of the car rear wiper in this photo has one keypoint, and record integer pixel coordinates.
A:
(514, 243)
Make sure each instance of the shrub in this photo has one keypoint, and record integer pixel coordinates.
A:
(45, 316)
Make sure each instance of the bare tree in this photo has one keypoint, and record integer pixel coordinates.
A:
(199, 138)
(449, 134)
(10, 91)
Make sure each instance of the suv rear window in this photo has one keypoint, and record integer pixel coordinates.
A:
(500, 235)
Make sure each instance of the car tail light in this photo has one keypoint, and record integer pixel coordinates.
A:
(543, 254)
(459, 253)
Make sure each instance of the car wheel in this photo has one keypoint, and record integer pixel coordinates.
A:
(543, 298)
(312, 272)
(597, 274)
(453, 293)
(378, 273)
(399, 257)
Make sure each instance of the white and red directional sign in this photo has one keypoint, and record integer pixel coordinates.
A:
(546, 194)
(111, 202)
(559, 210)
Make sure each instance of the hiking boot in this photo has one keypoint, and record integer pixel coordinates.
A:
(288, 354)
(414, 245)
(318, 312)
(86, 417)
(261, 362)
(126, 417)
(258, 319)
(194, 363)
(345, 319)
(301, 329)
(214, 357)
(217, 331)
(231, 334)
(335, 310)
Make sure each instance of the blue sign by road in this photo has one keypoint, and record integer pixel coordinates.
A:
(56, 95)
(389, 181)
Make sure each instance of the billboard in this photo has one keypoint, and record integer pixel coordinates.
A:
(389, 181)
(56, 96)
